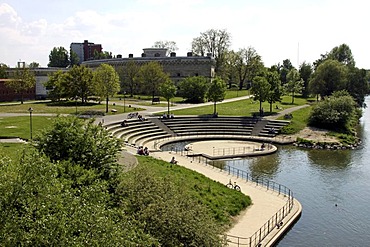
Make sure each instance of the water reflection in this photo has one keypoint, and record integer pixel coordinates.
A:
(265, 166)
(330, 159)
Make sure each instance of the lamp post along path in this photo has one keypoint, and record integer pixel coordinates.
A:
(30, 111)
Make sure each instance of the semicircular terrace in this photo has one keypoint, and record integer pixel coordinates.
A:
(154, 132)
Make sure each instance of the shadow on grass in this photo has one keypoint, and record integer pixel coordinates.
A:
(70, 103)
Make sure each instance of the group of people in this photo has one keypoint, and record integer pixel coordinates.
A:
(142, 151)
(164, 116)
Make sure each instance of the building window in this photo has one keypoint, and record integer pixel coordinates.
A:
(178, 74)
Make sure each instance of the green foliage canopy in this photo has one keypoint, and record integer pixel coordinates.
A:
(336, 112)
(193, 89)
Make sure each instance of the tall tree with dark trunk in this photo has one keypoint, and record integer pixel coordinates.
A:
(213, 41)
(151, 76)
(106, 82)
(168, 91)
(216, 92)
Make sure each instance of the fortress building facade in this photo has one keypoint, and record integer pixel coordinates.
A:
(177, 67)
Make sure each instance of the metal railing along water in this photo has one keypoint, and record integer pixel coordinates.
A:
(274, 222)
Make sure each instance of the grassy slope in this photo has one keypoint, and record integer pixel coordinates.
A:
(222, 201)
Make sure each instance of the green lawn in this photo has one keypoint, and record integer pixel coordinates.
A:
(20, 126)
(62, 108)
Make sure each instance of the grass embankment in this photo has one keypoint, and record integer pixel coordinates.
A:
(221, 201)
(246, 107)
(298, 122)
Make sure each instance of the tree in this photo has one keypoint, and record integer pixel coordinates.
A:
(342, 54)
(216, 92)
(79, 83)
(73, 58)
(294, 83)
(260, 89)
(56, 85)
(276, 91)
(215, 42)
(47, 203)
(3, 68)
(168, 91)
(83, 143)
(34, 65)
(169, 45)
(193, 89)
(22, 80)
(284, 70)
(58, 57)
(335, 112)
(357, 84)
(329, 76)
(305, 72)
(129, 77)
(106, 82)
(151, 76)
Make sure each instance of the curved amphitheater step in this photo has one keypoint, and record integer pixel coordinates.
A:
(161, 125)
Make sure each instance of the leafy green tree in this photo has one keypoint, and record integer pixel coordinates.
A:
(193, 89)
(34, 65)
(41, 207)
(83, 143)
(129, 77)
(284, 70)
(22, 80)
(106, 82)
(58, 57)
(294, 83)
(305, 72)
(216, 92)
(73, 58)
(358, 84)
(79, 83)
(3, 68)
(215, 42)
(335, 112)
(56, 85)
(151, 76)
(276, 91)
(260, 89)
(168, 91)
(329, 76)
(102, 55)
(342, 54)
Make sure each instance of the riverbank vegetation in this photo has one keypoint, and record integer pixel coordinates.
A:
(67, 187)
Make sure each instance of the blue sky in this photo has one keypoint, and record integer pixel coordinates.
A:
(298, 30)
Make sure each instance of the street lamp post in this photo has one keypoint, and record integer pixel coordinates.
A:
(124, 101)
(30, 110)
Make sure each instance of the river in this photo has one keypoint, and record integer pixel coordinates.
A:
(332, 186)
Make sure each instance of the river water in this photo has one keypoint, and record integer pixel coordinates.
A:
(332, 186)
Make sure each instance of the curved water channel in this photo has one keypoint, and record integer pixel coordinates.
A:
(332, 186)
